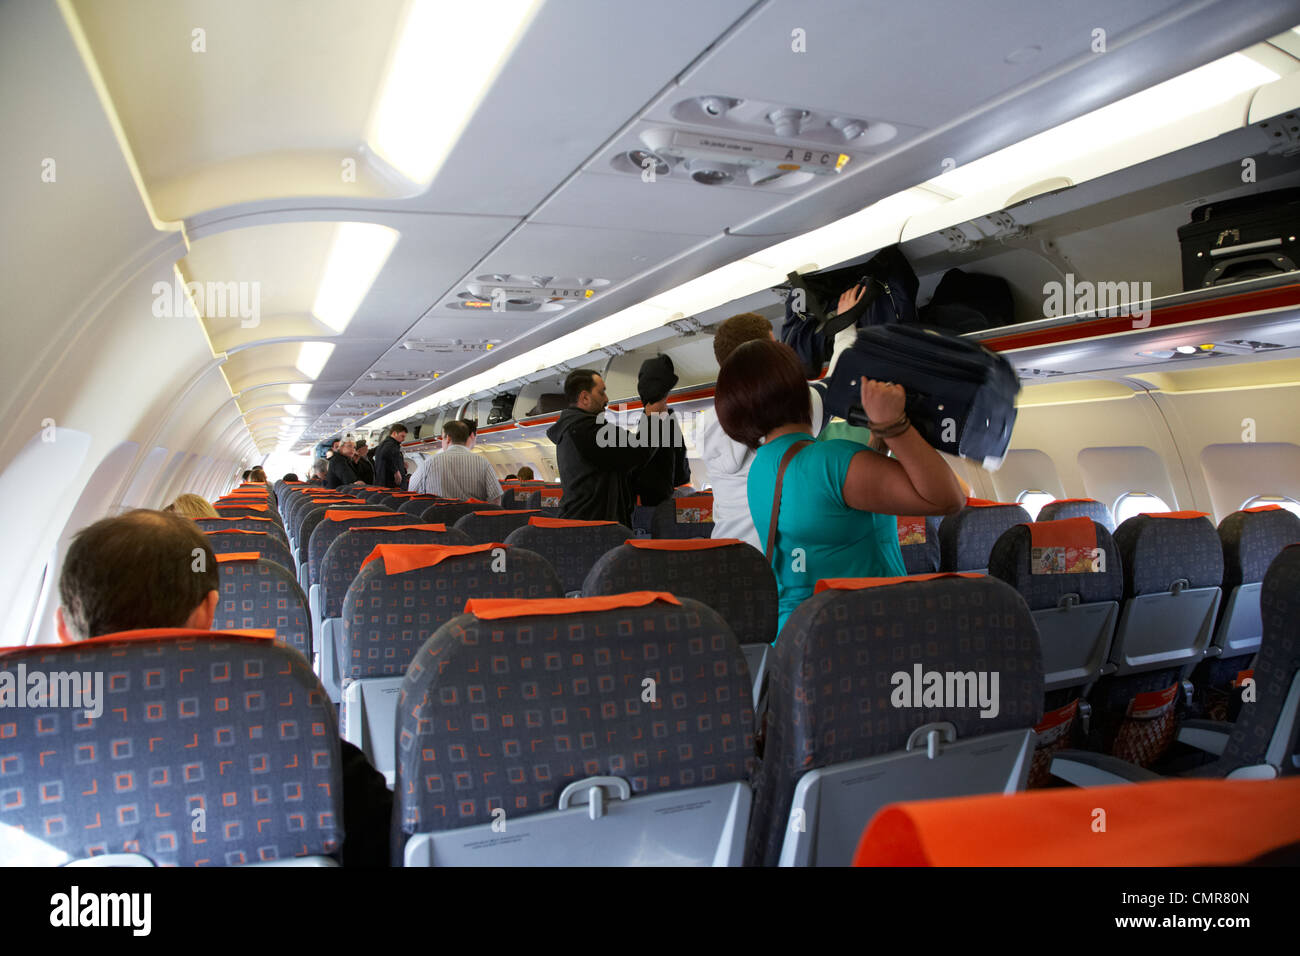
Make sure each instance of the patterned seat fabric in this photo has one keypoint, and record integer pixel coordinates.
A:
(314, 517)
(1275, 671)
(921, 557)
(1078, 508)
(829, 692)
(1156, 552)
(482, 528)
(386, 617)
(1251, 540)
(327, 532)
(572, 552)
(268, 546)
(507, 713)
(262, 594)
(231, 731)
(967, 537)
(450, 513)
(417, 506)
(1010, 561)
(344, 558)
(244, 524)
(298, 507)
(670, 520)
(1135, 716)
(734, 580)
(236, 511)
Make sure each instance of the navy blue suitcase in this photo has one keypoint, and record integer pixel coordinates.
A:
(961, 396)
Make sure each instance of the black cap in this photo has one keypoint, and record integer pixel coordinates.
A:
(656, 379)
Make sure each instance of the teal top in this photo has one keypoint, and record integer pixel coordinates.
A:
(818, 535)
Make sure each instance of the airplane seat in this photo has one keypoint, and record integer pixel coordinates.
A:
(572, 548)
(336, 523)
(690, 517)
(310, 518)
(646, 753)
(726, 574)
(918, 540)
(967, 537)
(401, 595)
(891, 689)
(449, 512)
(257, 593)
(339, 567)
(1262, 742)
(267, 545)
(1164, 825)
(522, 498)
(264, 785)
(494, 524)
(1069, 573)
(1172, 565)
(232, 510)
(298, 507)
(1251, 539)
(1078, 508)
(415, 505)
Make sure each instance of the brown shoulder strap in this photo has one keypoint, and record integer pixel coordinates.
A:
(776, 494)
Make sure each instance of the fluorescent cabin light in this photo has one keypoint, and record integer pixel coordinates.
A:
(356, 256)
(446, 58)
(299, 391)
(1161, 105)
(312, 357)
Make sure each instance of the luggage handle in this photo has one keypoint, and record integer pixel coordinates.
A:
(1278, 264)
(830, 325)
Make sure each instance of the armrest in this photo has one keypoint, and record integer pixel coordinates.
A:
(1083, 768)
(1208, 735)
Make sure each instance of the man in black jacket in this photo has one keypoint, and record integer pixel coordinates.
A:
(341, 471)
(595, 458)
(667, 469)
(361, 464)
(389, 463)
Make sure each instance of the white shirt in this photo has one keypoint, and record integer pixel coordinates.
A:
(456, 472)
(728, 464)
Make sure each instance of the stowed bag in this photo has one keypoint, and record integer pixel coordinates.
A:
(961, 397)
(811, 321)
(968, 302)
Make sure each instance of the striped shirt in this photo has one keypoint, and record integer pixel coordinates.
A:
(456, 472)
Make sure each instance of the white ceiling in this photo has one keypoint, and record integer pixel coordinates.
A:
(240, 146)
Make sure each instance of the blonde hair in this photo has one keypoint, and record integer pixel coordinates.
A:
(192, 506)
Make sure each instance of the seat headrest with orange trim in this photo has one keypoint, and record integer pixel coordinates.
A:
(493, 609)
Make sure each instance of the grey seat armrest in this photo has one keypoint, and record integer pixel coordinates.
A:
(1083, 768)
(1208, 735)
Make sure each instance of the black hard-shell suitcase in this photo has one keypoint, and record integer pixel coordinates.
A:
(961, 397)
(1243, 238)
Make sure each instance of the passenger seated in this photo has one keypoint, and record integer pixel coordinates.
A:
(247, 473)
(509, 477)
(836, 519)
(291, 477)
(192, 506)
(525, 474)
(139, 570)
(257, 476)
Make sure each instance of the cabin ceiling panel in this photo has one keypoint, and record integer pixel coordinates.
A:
(267, 100)
(936, 61)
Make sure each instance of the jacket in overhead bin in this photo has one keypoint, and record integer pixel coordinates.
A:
(594, 459)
